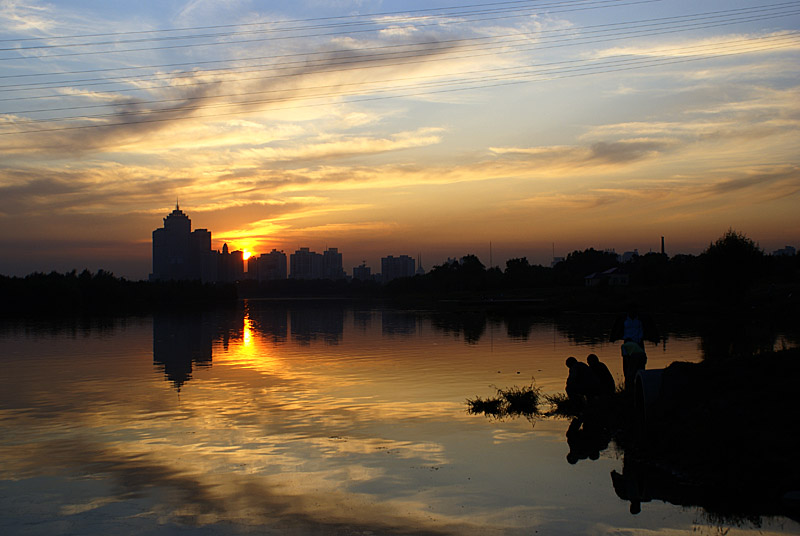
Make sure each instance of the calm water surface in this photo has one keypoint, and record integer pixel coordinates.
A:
(310, 419)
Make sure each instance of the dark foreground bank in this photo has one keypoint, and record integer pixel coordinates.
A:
(720, 434)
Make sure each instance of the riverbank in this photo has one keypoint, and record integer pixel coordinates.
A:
(720, 435)
(731, 424)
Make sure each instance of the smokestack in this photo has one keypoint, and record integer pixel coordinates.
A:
(662, 245)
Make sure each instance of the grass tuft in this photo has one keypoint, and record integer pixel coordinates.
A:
(562, 406)
(490, 406)
(521, 400)
(510, 402)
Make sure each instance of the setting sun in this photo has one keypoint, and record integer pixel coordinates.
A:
(542, 131)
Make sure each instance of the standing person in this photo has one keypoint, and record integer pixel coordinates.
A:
(633, 360)
(633, 328)
(579, 380)
(602, 376)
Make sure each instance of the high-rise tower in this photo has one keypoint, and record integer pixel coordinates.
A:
(182, 254)
(171, 247)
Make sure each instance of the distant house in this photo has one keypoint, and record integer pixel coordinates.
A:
(629, 255)
(612, 277)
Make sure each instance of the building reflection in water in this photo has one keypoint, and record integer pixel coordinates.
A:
(362, 319)
(184, 340)
(309, 324)
(272, 323)
(180, 342)
(398, 322)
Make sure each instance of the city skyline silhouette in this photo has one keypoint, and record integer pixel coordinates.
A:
(425, 130)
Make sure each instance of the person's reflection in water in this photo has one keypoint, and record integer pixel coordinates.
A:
(634, 359)
(629, 486)
(586, 438)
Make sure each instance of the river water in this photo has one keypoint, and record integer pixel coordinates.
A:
(310, 418)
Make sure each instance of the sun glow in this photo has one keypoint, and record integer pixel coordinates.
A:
(247, 339)
(250, 351)
(246, 254)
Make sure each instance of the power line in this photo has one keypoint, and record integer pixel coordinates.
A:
(698, 16)
(634, 28)
(602, 68)
(311, 27)
(324, 34)
(216, 61)
(338, 17)
(381, 56)
(697, 49)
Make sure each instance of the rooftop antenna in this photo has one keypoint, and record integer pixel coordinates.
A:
(490, 254)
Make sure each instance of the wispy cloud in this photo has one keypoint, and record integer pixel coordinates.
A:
(342, 134)
(720, 45)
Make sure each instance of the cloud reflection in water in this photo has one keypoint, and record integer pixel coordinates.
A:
(342, 423)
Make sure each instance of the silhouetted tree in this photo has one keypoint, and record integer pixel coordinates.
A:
(469, 274)
(579, 264)
(518, 273)
(731, 265)
(684, 269)
(472, 273)
(39, 292)
(650, 269)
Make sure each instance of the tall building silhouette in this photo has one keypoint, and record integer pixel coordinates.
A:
(181, 254)
(332, 264)
(268, 266)
(305, 264)
(396, 267)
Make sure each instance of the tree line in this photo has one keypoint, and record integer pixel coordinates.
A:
(726, 271)
(102, 290)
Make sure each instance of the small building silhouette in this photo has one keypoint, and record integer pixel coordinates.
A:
(362, 272)
(787, 251)
(612, 277)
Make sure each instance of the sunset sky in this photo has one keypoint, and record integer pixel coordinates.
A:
(389, 127)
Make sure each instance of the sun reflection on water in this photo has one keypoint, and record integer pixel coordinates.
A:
(250, 351)
(248, 332)
(259, 416)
